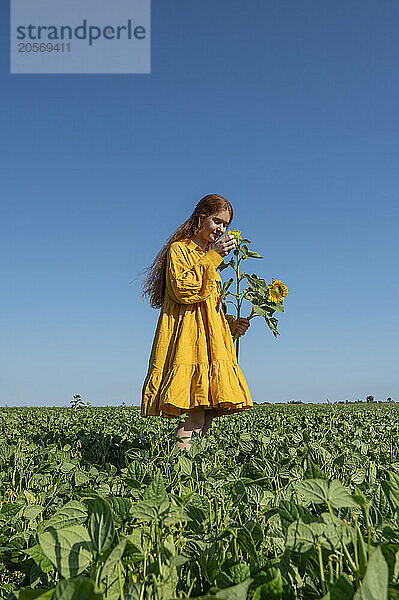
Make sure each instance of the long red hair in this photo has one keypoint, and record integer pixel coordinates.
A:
(155, 279)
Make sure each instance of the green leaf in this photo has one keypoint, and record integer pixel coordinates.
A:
(109, 575)
(272, 324)
(253, 254)
(222, 266)
(31, 511)
(132, 590)
(120, 508)
(277, 306)
(67, 467)
(81, 478)
(27, 593)
(101, 525)
(301, 536)
(144, 511)
(246, 543)
(69, 549)
(72, 513)
(313, 490)
(339, 496)
(273, 588)
(391, 555)
(391, 490)
(313, 471)
(381, 502)
(10, 509)
(360, 498)
(208, 560)
(236, 592)
(290, 512)
(79, 588)
(394, 484)
(239, 572)
(259, 310)
(358, 476)
(155, 494)
(40, 558)
(318, 491)
(196, 516)
(361, 550)
(375, 582)
(239, 493)
(227, 284)
(395, 574)
(335, 531)
(114, 557)
(342, 588)
(393, 592)
(185, 465)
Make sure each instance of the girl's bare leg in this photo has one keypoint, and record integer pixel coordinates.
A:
(208, 421)
(194, 421)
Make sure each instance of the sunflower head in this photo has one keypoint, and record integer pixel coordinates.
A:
(277, 291)
(236, 234)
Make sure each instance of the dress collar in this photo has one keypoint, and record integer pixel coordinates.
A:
(191, 245)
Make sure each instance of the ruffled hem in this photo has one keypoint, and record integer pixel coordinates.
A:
(219, 386)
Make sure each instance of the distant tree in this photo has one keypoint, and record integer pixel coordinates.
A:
(369, 398)
(389, 399)
(77, 402)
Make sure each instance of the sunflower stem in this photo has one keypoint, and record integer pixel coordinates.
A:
(238, 298)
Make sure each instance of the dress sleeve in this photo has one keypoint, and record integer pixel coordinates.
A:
(232, 321)
(191, 283)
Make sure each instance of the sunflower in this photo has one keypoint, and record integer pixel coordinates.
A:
(236, 234)
(277, 291)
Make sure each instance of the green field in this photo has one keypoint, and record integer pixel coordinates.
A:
(278, 502)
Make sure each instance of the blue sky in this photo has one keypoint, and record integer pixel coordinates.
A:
(287, 108)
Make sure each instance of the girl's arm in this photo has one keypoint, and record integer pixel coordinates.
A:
(191, 283)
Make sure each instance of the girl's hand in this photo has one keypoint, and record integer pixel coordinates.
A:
(224, 245)
(242, 325)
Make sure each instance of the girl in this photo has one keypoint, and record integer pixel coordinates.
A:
(193, 366)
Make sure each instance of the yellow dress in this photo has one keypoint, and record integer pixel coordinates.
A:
(193, 360)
